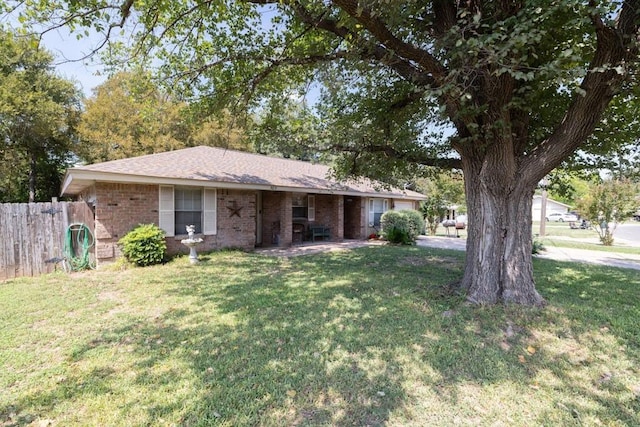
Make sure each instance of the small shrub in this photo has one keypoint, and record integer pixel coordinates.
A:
(393, 219)
(409, 222)
(398, 236)
(144, 245)
(416, 223)
(537, 247)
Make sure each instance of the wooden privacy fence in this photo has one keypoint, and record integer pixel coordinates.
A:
(32, 235)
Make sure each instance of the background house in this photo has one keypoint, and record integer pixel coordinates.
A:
(552, 206)
(235, 199)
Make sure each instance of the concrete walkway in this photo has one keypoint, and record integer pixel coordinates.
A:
(612, 259)
(308, 248)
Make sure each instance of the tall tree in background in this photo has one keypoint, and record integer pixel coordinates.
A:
(38, 115)
(444, 190)
(129, 116)
(522, 83)
(286, 128)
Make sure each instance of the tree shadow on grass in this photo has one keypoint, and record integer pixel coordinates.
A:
(590, 342)
(362, 337)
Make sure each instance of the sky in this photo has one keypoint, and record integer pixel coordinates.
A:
(69, 53)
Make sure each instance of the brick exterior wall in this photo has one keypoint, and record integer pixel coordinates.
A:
(271, 218)
(118, 209)
(277, 211)
(233, 231)
(121, 207)
(277, 221)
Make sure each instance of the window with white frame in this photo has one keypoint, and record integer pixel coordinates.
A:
(188, 209)
(182, 206)
(303, 207)
(299, 206)
(376, 208)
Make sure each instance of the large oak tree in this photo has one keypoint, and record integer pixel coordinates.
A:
(523, 84)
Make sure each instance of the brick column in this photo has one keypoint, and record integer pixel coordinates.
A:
(286, 220)
(337, 218)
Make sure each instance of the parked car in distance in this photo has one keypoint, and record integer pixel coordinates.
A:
(561, 217)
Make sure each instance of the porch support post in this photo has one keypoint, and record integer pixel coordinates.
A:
(337, 218)
(286, 220)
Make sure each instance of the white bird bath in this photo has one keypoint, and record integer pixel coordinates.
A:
(191, 242)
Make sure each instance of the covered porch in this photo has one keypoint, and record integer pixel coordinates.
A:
(288, 218)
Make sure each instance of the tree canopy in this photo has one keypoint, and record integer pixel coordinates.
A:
(129, 115)
(38, 115)
(524, 86)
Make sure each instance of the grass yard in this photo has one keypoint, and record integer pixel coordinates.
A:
(576, 244)
(370, 336)
(561, 235)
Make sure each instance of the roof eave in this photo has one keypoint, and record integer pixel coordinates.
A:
(77, 180)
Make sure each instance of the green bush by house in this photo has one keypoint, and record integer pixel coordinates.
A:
(144, 245)
(402, 227)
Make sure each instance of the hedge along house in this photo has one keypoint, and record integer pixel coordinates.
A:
(235, 199)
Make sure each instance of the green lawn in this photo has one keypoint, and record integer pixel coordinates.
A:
(561, 235)
(372, 336)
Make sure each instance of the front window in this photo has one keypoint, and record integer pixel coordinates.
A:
(188, 209)
(299, 206)
(376, 208)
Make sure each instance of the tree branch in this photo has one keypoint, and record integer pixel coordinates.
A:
(412, 157)
(380, 53)
(380, 31)
(124, 10)
(614, 48)
(383, 54)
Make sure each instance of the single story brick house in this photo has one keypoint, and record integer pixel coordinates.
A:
(235, 199)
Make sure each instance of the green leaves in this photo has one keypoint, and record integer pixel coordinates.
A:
(129, 116)
(384, 72)
(39, 112)
(144, 245)
(609, 204)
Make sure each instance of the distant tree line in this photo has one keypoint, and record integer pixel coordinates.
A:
(46, 126)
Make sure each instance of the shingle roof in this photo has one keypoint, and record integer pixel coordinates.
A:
(223, 167)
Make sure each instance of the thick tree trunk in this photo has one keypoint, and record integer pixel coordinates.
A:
(499, 262)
